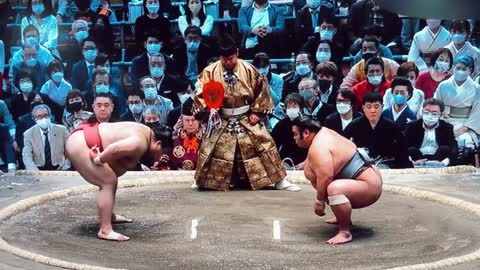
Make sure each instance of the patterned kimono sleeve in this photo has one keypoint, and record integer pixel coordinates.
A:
(262, 101)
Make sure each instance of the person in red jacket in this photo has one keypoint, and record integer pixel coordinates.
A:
(375, 81)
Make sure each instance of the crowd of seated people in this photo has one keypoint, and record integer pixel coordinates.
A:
(69, 64)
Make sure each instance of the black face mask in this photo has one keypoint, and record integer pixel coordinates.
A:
(152, 124)
(261, 2)
(324, 85)
(368, 55)
(76, 106)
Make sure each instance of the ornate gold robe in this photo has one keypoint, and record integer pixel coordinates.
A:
(236, 142)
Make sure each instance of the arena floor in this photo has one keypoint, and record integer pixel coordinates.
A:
(176, 227)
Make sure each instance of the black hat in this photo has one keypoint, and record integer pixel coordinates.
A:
(187, 107)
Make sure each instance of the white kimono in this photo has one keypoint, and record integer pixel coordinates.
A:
(426, 42)
(467, 49)
(462, 107)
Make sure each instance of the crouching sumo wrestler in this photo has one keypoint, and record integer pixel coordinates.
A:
(343, 175)
(103, 152)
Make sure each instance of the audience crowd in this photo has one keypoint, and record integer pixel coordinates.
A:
(343, 69)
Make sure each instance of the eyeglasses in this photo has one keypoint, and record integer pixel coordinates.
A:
(431, 113)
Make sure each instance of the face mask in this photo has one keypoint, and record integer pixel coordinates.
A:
(433, 23)
(32, 41)
(459, 38)
(183, 97)
(326, 34)
(313, 4)
(302, 69)
(293, 113)
(153, 48)
(343, 108)
(324, 85)
(153, 8)
(102, 88)
(307, 95)
(442, 66)
(150, 93)
(399, 99)
(57, 76)
(460, 75)
(26, 87)
(76, 106)
(323, 56)
(32, 62)
(90, 55)
(81, 35)
(43, 123)
(156, 72)
(430, 119)
(367, 55)
(195, 8)
(38, 9)
(260, 2)
(375, 80)
(193, 45)
(106, 69)
(136, 108)
(263, 71)
(152, 124)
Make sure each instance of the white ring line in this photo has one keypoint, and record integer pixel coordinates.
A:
(276, 230)
(194, 231)
(26, 204)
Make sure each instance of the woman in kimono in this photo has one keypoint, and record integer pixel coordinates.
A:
(460, 30)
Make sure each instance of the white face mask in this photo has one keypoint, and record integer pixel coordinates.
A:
(430, 119)
(343, 108)
(433, 23)
(459, 38)
(136, 108)
(183, 97)
(375, 79)
(43, 123)
(293, 113)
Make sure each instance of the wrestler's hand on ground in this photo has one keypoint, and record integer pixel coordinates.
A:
(319, 208)
(253, 119)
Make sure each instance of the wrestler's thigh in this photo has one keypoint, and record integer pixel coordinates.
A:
(79, 155)
(359, 193)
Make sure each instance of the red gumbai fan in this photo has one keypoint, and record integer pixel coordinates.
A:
(213, 95)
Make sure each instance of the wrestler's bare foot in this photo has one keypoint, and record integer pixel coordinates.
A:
(120, 219)
(332, 221)
(112, 236)
(341, 238)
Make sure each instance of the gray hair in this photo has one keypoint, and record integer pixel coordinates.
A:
(315, 84)
(40, 107)
(157, 55)
(151, 109)
(79, 21)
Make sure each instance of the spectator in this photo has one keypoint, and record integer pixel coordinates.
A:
(56, 88)
(75, 105)
(102, 62)
(303, 69)
(153, 45)
(195, 17)
(30, 61)
(431, 139)
(259, 23)
(151, 19)
(375, 80)
(400, 112)
(163, 104)
(135, 106)
(83, 70)
(326, 74)
(282, 132)
(370, 49)
(151, 116)
(185, 92)
(84, 12)
(103, 107)
(314, 107)
(275, 82)
(44, 143)
(309, 18)
(40, 14)
(7, 138)
(460, 31)
(188, 139)
(410, 71)
(103, 33)
(461, 96)
(71, 50)
(345, 113)
(381, 137)
(431, 38)
(24, 80)
(101, 84)
(191, 55)
(429, 80)
(31, 39)
(165, 83)
(374, 31)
